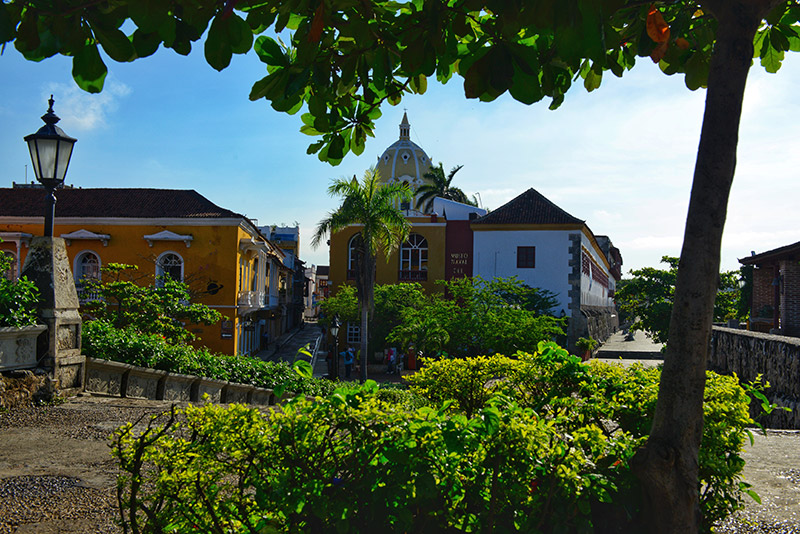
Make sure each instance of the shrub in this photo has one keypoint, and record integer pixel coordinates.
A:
(468, 383)
(351, 462)
(613, 398)
(101, 340)
(18, 298)
(547, 447)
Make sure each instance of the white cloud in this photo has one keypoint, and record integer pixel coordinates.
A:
(82, 111)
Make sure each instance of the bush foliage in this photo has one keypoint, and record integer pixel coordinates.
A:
(163, 308)
(18, 298)
(127, 345)
(535, 443)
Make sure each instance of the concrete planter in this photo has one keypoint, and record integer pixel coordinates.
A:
(141, 383)
(262, 397)
(201, 386)
(105, 377)
(238, 393)
(176, 387)
(18, 347)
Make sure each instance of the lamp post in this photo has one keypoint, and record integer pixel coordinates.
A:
(50, 150)
(335, 333)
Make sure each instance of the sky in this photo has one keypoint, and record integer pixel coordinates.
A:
(621, 158)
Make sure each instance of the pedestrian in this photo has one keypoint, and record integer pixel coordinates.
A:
(391, 358)
(349, 358)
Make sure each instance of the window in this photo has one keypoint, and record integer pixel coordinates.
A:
(169, 264)
(11, 272)
(87, 266)
(526, 257)
(353, 334)
(414, 259)
(352, 256)
(254, 281)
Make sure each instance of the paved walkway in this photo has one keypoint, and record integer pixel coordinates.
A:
(639, 349)
(289, 343)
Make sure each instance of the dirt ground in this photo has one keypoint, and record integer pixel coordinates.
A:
(57, 475)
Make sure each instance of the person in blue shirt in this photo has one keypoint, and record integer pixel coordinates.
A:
(349, 357)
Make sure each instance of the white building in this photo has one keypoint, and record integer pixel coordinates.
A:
(546, 247)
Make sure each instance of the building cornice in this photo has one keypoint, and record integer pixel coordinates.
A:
(127, 221)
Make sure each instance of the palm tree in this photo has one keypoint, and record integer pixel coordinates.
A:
(373, 206)
(439, 186)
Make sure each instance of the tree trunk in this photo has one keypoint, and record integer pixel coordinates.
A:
(365, 285)
(667, 465)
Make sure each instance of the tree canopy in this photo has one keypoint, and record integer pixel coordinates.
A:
(439, 186)
(373, 206)
(647, 298)
(339, 61)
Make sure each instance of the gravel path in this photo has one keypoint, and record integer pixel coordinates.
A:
(57, 474)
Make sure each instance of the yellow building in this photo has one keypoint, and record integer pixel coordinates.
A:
(440, 244)
(529, 238)
(220, 254)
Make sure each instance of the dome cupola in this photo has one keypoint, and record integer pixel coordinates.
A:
(404, 160)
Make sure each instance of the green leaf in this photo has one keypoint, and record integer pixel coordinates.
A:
(115, 43)
(771, 58)
(419, 84)
(145, 44)
(240, 35)
(303, 368)
(593, 79)
(696, 72)
(336, 147)
(270, 87)
(755, 496)
(7, 24)
(270, 51)
(217, 48)
(88, 69)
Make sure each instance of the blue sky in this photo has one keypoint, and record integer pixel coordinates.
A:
(620, 158)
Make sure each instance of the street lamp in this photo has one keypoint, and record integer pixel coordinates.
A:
(335, 333)
(50, 150)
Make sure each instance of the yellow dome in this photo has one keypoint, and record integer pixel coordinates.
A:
(404, 160)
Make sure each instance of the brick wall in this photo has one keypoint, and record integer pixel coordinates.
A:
(790, 297)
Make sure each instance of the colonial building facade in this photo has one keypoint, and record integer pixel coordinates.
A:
(226, 261)
(529, 237)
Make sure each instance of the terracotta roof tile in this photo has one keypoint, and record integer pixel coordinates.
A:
(133, 203)
(531, 207)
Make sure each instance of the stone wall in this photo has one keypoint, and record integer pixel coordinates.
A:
(776, 358)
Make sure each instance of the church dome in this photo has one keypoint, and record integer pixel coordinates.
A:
(404, 160)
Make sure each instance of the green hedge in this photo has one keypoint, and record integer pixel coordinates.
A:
(546, 447)
(617, 399)
(103, 341)
(352, 462)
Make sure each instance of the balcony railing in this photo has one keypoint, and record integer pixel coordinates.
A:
(406, 275)
(87, 295)
(251, 299)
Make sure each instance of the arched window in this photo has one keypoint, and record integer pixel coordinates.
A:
(353, 250)
(87, 266)
(414, 259)
(10, 273)
(169, 264)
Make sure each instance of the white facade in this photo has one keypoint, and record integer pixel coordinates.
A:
(596, 282)
(496, 256)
